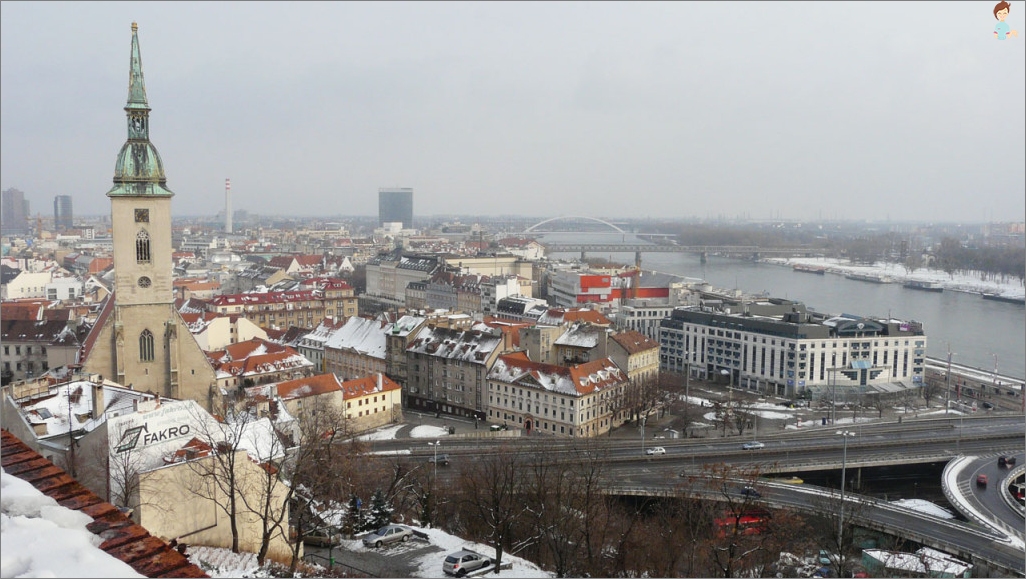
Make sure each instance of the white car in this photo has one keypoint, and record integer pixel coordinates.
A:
(753, 445)
(655, 450)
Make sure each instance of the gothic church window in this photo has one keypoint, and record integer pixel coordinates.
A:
(142, 247)
(146, 346)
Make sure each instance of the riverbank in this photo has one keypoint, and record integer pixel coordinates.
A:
(898, 274)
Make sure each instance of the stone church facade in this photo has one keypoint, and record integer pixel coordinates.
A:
(141, 340)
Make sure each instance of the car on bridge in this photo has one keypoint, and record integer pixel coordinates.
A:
(753, 445)
(655, 450)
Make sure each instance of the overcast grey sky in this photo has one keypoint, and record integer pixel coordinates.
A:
(874, 110)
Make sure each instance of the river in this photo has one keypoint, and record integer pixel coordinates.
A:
(978, 332)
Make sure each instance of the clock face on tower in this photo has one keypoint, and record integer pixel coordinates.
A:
(142, 215)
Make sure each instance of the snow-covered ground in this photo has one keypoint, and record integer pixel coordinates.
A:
(957, 282)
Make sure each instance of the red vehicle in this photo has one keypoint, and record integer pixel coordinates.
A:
(750, 523)
(981, 480)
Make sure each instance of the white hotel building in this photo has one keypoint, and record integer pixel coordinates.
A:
(777, 347)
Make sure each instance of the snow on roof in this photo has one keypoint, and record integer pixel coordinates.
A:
(366, 337)
(466, 345)
(75, 399)
(576, 380)
(581, 336)
(925, 561)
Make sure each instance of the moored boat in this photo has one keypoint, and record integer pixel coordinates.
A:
(1003, 298)
(870, 277)
(820, 269)
(930, 286)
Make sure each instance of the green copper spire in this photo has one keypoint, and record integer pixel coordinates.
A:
(136, 84)
(139, 170)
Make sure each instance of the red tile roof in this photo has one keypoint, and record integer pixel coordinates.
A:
(121, 538)
(634, 341)
(310, 386)
(367, 385)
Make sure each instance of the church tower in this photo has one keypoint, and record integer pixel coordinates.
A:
(151, 348)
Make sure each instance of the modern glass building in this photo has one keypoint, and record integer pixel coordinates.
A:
(395, 205)
(62, 214)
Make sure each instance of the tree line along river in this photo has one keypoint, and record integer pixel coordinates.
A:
(979, 332)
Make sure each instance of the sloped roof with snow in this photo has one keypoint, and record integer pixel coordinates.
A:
(69, 406)
(368, 385)
(560, 316)
(465, 345)
(309, 386)
(576, 380)
(634, 341)
(406, 324)
(366, 337)
(581, 336)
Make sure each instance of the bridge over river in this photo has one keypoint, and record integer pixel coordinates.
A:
(741, 251)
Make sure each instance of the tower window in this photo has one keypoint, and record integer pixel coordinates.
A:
(146, 346)
(142, 247)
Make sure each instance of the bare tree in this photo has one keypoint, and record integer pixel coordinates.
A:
(836, 533)
(213, 463)
(318, 467)
(492, 490)
(263, 496)
(932, 388)
(735, 548)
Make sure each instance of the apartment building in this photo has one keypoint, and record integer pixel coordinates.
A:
(447, 369)
(579, 401)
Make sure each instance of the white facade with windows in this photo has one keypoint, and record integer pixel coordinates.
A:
(777, 347)
(577, 401)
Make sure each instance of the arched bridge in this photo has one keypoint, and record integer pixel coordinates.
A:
(573, 218)
(743, 251)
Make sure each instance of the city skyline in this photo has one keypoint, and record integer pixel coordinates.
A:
(831, 111)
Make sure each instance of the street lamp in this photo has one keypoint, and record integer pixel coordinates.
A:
(844, 464)
(434, 460)
(643, 418)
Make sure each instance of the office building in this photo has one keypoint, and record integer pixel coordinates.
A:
(14, 213)
(63, 218)
(778, 347)
(395, 206)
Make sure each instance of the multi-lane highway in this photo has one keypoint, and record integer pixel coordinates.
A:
(630, 471)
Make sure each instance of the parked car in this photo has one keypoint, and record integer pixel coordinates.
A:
(750, 492)
(824, 557)
(322, 538)
(462, 562)
(981, 480)
(987, 406)
(753, 445)
(655, 450)
(1006, 461)
(387, 535)
(442, 459)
